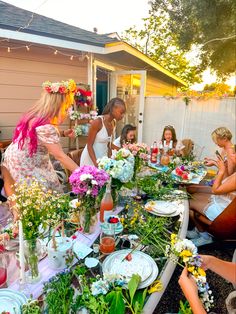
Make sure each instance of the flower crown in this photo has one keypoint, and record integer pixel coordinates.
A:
(62, 87)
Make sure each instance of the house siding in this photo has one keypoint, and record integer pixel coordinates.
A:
(158, 87)
(21, 77)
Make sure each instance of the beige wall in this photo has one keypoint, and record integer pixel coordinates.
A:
(21, 75)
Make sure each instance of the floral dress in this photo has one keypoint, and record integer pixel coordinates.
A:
(22, 166)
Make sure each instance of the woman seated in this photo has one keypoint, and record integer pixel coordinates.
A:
(128, 135)
(209, 207)
(169, 140)
(222, 137)
(36, 136)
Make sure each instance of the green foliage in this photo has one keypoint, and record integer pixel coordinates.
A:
(31, 307)
(156, 40)
(116, 301)
(207, 24)
(184, 308)
(219, 88)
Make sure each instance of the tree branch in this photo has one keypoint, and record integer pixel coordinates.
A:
(218, 39)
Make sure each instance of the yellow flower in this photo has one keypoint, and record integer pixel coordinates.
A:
(155, 287)
(173, 238)
(191, 269)
(122, 220)
(201, 272)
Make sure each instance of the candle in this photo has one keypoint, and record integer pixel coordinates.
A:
(164, 143)
(171, 144)
(21, 253)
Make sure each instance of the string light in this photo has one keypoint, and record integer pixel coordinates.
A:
(55, 52)
(71, 57)
(27, 48)
(8, 49)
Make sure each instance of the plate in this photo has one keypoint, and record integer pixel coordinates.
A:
(141, 264)
(11, 301)
(179, 178)
(162, 208)
(107, 230)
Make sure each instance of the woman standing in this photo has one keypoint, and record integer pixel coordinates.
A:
(36, 136)
(101, 132)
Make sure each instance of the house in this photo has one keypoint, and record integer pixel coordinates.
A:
(34, 48)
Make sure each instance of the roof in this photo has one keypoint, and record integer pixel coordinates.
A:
(19, 24)
(12, 18)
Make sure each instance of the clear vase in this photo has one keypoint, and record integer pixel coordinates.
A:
(88, 220)
(32, 252)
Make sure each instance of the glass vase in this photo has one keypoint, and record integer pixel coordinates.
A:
(88, 220)
(32, 253)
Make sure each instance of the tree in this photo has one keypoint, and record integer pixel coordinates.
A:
(210, 24)
(220, 88)
(156, 40)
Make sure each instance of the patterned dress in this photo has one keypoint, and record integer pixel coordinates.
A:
(22, 166)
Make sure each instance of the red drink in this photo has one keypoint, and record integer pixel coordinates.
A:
(106, 205)
(3, 276)
(154, 152)
(107, 245)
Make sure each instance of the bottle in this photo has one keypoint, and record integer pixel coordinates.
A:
(165, 159)
(106, 205)
(154, 152)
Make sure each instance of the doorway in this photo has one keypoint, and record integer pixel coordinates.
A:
(102, 81)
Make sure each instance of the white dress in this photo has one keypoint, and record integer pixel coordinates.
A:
(99, 146)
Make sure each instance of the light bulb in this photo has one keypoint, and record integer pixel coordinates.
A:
(55, 52)
(8, 49)
(71, 57)
(27, 48)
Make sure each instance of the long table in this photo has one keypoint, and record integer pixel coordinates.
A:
(46, 273)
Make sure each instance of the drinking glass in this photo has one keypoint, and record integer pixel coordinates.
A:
(107, 242)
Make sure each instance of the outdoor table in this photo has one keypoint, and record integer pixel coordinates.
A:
(46, 273)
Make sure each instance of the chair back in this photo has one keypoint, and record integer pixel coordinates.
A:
(75, 155)
(224, 226)
(188, 147)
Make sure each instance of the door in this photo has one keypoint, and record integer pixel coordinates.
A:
(130, 86)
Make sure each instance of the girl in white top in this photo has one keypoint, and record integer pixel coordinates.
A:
(128, 135)
(169, 140)
(101, 131)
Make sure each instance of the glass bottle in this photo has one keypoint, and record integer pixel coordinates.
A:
(165, 159)
(106, 205)
(154, 152)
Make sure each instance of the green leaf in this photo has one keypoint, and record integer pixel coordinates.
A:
(138, 300)
(133, 285)
(116, 302)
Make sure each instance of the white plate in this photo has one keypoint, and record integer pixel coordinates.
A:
(161, 207)
(141, 264)
(11, 301)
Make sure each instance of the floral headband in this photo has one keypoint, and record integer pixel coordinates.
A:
(62, 87)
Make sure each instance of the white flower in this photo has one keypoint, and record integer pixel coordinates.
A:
(94, 182)
(88, 192)
(85, 176)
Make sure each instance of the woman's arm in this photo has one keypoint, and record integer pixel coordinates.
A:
(95, 127)
(189, 288)
(228, 186)
(57, 151)
(227, 270)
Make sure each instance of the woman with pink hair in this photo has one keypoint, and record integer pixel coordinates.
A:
(37, 135)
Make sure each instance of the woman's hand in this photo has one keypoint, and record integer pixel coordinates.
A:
(206, 261)
(188, 284)
(210, 162)
(221, 165)
(69, 133)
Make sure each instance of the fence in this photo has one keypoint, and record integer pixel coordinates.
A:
(196, 120)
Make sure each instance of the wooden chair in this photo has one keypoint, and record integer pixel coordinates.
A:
(75, 156)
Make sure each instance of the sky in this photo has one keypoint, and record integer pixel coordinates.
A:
(107, 16)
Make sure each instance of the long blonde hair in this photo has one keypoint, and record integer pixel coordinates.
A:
(46, 109)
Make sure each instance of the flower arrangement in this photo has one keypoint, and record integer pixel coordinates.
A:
(76, 115)
(140, 152)
(187, 252)
(62, 87)
(81, 130)
(83, 97)
(120, 166)
(87, 182)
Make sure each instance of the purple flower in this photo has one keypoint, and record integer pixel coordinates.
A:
(182, 167)
(88, 178)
